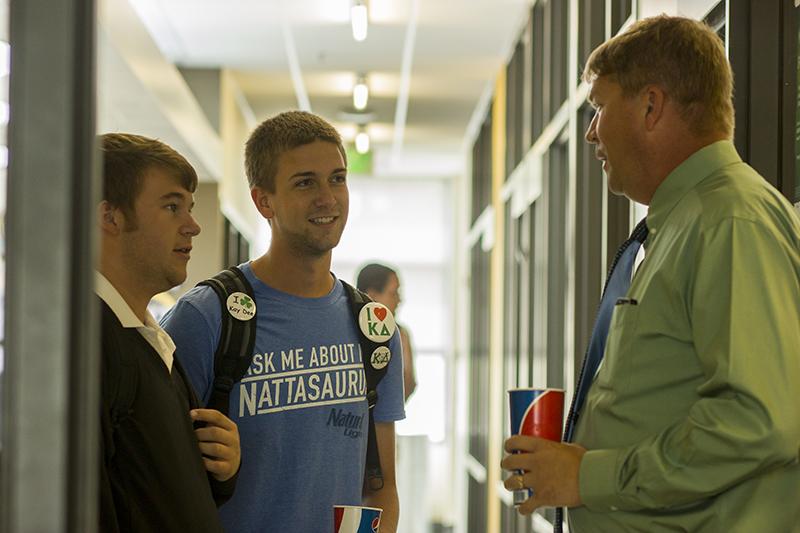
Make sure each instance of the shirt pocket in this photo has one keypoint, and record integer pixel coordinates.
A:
(613, 370)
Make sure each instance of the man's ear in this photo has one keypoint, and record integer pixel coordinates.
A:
(655, 100)
(261, 201)
(109, 218)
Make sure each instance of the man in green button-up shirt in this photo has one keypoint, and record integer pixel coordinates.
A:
(692, 422)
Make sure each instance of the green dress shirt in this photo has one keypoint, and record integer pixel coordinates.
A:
(693, 420)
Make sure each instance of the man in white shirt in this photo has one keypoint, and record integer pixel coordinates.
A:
(158, 473)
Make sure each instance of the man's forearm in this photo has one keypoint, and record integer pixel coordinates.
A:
(385, 499)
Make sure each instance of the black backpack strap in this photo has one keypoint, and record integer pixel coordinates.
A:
(237, 337)
(373, 476)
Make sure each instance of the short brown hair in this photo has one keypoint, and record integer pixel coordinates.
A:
(126, 160)
(684, 56)
(280, 134)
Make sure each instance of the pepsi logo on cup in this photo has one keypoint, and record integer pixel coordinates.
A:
(536, 412)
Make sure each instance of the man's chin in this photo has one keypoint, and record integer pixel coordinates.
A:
(175, 279)
(321, 249)
(323, 245)
(614, 187)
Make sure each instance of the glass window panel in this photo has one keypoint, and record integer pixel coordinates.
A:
(557, 180)
(588, 236)
(620, 11)
(797, 127)
(514, 92)
(426, 408)
(537, 72)
(532, 287)
(592, 27)
(559, 35)
(5, 61)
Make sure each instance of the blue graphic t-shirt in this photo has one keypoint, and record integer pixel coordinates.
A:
(301, 408)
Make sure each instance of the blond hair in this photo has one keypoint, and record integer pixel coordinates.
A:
(683, 56)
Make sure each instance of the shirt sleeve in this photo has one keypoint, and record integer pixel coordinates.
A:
(744, 303)
(194, 325)
(222, 491)
(390, 406)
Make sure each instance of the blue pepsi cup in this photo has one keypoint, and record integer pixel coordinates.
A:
(536, 413)
(356, 519)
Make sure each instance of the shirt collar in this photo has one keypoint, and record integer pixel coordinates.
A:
(155, 336)
(111, 296)
(692, 171)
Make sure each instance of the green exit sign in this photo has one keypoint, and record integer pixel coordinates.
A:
(358, 163)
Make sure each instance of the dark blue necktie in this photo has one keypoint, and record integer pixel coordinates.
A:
(617, 284)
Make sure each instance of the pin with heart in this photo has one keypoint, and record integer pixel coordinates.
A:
(376, 322)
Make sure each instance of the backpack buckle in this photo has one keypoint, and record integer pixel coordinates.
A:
(372, 398)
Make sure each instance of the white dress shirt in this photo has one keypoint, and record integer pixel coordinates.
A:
(150, 330)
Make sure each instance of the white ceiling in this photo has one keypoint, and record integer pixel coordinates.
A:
(458, 48)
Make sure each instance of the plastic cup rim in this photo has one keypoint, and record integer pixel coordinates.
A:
(527, 389)
(357, 507)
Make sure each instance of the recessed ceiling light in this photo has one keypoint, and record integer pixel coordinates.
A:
(362, 142)
(359, 18)
(360, 93)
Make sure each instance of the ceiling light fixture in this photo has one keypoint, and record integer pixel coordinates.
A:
(359, 19)
(362, 141)
(360, 93)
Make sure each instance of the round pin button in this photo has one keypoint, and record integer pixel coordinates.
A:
(241, 306)
(376, 322)
(380, 357)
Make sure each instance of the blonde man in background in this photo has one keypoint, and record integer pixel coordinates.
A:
(692, 422)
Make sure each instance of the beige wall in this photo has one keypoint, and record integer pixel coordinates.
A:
(206, 247)
(235, 127)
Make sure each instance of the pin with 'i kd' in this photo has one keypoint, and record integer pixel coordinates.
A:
(376, 322)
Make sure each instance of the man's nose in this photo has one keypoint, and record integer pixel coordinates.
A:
(591, 131)
(325, 195)
(192, 228)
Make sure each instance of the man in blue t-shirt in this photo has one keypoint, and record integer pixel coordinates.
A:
(301, 407)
